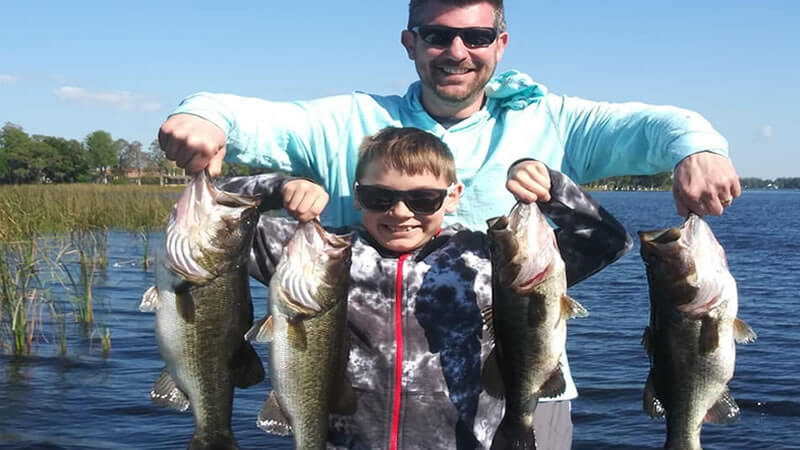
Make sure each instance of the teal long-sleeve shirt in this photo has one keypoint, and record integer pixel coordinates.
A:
(585, 140)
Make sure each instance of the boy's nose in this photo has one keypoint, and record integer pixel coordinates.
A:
(401, 210)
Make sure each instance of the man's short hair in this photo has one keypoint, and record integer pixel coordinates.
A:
(409, 150)
(415, 8)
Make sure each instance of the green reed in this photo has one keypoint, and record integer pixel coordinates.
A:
(42, 209)
(83, 214)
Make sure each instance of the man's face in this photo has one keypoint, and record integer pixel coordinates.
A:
(398, 228)
(455, 74)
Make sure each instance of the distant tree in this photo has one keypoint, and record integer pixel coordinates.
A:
(102, 152)
(131, 156)
(158, 162)
(754, 183)
(71, 162)
(787, 183)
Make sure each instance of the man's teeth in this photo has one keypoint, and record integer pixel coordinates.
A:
(454, 70)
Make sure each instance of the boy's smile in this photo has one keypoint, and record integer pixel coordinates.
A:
(398, 228)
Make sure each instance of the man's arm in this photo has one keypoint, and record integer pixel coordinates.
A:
(293, 137)
(610, 139)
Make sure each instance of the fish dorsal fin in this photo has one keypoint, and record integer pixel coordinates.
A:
(149, 300)
(491, 376)
(571, 308)
(166, 393)
(652, 405)
(742, 333)
(725, 410)
(261, 331)
(272, 417)
(246, 366)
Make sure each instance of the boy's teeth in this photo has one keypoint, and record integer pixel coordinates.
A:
(401, 228)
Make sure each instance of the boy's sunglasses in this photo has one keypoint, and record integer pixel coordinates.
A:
(419, 201)
(442, 36)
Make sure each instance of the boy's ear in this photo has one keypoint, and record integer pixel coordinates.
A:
(451, 202)
(356, 203)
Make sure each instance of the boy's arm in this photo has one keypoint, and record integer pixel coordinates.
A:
(589, 237)
(301, 197)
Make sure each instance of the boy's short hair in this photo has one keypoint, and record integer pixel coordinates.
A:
(408, 150)
(415, 10)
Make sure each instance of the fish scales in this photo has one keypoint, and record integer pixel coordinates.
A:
(692, 332)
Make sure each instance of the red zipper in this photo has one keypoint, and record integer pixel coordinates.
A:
(398, 358)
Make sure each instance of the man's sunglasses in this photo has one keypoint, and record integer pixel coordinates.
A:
(442, 36)
(419, 201)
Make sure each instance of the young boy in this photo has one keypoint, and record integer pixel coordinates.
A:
(418, 341)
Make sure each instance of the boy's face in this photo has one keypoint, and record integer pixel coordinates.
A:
(400, 229)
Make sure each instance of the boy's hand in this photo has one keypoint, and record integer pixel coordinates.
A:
(304, 199)
(193, 143)
(529, 181)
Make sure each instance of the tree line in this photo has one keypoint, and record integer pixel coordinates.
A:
(98, 158)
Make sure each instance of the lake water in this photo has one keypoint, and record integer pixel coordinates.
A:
(86, 401)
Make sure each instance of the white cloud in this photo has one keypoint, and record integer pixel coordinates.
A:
(10, 79)
(121, 100)
(765, 132)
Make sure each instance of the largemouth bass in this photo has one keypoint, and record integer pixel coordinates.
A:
(530, 308)
(307, 331)
(692, 332)
(203, 309)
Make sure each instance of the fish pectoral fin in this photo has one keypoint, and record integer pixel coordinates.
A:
(650, 402)
(555, 385)
(709, 335)
(297, 335)
(261, 331)
(246, 367)
(571, 308)
(149, 300)
(166, 393)
(272, 417)
(742, 333)
(724, 411)
(491, 376)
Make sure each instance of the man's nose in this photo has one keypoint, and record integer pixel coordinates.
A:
(457, 49)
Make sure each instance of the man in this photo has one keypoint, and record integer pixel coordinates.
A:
(494, 126)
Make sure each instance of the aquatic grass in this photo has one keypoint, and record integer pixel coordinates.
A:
(19, 294)
(42, 209)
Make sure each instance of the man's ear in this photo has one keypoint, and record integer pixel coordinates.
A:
(407, 38)
(356, 203)
(451, 202)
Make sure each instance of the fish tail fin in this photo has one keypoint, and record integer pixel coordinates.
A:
(166, 393)
(725, 410)
(514, 435)
(246, 366)
(272, 417)
(223, 442)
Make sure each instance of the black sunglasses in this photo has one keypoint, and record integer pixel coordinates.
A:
(442, 36)
(420, 201)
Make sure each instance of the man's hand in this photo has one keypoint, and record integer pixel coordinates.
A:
(529, 181)
(304, 199)
(193, 143)
(704, 183)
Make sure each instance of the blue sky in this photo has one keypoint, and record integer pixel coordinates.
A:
(69, 68)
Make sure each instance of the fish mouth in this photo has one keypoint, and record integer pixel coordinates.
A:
(202, 224)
